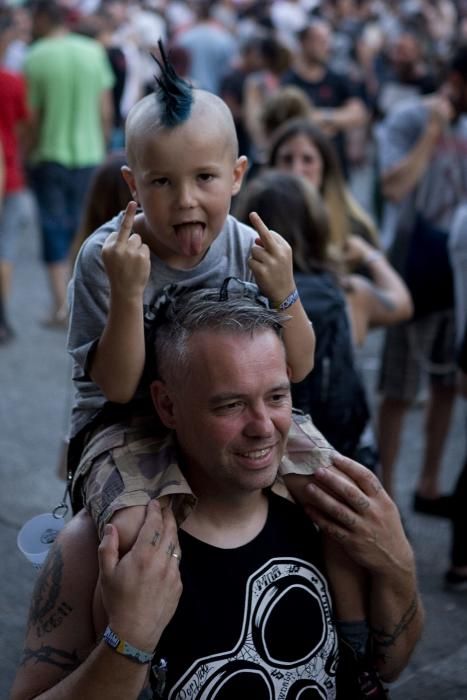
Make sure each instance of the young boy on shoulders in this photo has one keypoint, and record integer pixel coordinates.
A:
(183, 169)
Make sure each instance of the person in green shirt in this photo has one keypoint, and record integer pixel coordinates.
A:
(69, 81)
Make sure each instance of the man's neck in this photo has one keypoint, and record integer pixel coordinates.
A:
(56, 32)
(310, 70)
(228, 522)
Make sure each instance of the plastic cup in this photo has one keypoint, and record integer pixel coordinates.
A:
(37, 536)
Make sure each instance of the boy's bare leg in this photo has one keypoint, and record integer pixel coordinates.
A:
(347, 580)
(128, 522)
(348, 583)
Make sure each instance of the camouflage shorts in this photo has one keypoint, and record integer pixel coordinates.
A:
(128, 464)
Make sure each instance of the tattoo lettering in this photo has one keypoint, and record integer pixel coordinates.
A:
(46, 612)
(383, 639)
(348, 520)
(47, 588)
(54, 620)
(361, 503)
(65, 660)
(378, 486)
(333, 532)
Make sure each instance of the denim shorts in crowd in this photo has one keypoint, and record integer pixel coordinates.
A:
(60, 194)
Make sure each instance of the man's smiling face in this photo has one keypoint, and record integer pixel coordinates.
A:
(232, 411)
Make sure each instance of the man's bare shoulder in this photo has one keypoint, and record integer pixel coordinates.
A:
(60, 630)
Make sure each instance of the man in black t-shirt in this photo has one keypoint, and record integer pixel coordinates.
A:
(335, 98)
(255, 616)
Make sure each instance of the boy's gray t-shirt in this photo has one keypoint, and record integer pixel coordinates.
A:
(89, 298)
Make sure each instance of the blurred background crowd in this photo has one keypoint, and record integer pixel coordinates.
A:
(331, 92)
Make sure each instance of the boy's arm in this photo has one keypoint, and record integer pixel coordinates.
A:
(61, 658)
(349, 504)
(272, 266)
(299, 341)
(118, 360)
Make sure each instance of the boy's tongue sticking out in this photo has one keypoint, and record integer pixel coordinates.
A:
(190, 237)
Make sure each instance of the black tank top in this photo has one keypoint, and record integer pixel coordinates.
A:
(253, 622)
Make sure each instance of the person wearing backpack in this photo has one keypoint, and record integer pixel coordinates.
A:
(342, 307)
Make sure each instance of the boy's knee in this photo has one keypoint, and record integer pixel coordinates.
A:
(128, 522)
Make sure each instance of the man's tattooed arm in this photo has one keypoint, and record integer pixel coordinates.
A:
(60, 658)
(384, 641)
(48, 609)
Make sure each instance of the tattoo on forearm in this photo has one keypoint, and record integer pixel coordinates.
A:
(384, 639)
(47, 588)
(47, 613)
(65, 660)
(53, 621)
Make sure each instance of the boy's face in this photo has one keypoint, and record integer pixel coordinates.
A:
(184, 179)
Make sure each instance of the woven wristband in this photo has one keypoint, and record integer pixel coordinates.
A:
(125, 649)
(288, 301)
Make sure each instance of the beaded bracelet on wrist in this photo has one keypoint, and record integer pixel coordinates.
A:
(288, 301)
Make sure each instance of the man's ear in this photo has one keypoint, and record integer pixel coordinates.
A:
(239, 171)
(130, 181)
(163, 403)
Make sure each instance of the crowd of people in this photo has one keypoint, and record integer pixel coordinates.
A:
(174, 145)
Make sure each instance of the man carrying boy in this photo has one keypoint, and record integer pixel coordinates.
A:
(183, 168)
(255, 613)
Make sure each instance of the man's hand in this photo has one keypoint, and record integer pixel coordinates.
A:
(349, 504)
(271, 262)
(127, 259)
(141, 591)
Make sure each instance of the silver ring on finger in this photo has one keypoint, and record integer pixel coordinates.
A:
(155, 539)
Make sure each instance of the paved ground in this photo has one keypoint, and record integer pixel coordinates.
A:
(34, 400)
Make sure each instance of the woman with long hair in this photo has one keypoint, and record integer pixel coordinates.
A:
(298, 146)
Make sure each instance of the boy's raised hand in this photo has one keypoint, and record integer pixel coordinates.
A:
(126, 258)
(271, 262)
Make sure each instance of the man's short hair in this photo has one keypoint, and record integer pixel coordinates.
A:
(239, 311)
(51, 9)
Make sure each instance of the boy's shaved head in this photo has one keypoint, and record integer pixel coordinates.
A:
(146, 120)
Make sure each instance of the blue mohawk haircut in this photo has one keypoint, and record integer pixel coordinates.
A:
(174, 95)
